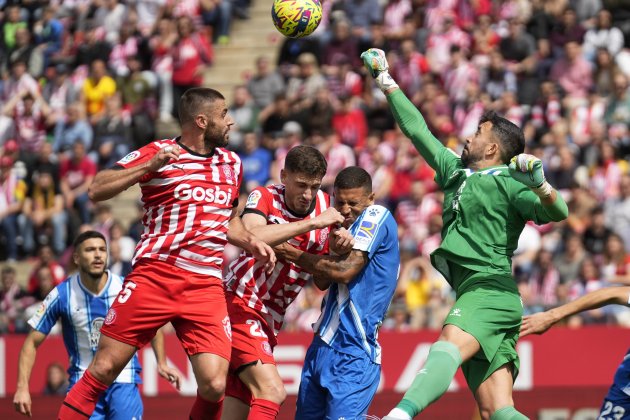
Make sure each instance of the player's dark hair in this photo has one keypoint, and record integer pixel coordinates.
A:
(511, 138)
(194, 100)
(306, 160)
(90, 234)
(353, 177)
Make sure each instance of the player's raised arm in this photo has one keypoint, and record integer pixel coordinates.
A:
(528, 170)
(542, 321)
(110, 182)
(239, 236)
(406, 114)
(22, 397)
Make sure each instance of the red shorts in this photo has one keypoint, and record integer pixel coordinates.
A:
(155, 293)
(252, 340)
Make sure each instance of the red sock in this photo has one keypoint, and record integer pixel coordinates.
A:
(263, 410)
(206, 410)
(81, 400)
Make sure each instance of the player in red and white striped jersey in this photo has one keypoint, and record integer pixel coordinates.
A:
(189, 189)
(295, 211)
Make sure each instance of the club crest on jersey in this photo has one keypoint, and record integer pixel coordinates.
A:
(95, 332)
(110, 317)
(266, 347)
(41, 309)
(253, 199)
(227, 327)
(130, 157)
(229, 173)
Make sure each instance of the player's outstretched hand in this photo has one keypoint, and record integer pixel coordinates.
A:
(536, 323)
(375, 61)
(165, 155)
(341, 241)
(263, 253)
(22, 402)
(527, 169)
(328, 217)
(170, 374)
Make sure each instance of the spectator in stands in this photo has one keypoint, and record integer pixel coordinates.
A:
(125, 243)
(265, 84)
(43, 217)
(96, 89)
(29, 111)
(617, 211)
(116, 264)
(191, 53)
(567, 29)
(75, 127)
(110, 16)
(410, 68)
(302, 88)
(217, 14)
(320, 114)
(337, 154)
(539, 289)
(256, 162)
(49, 35)
(45, 283)
(605, 71)
(59, 92)
(273, 118)
(26, 51)
(616, 261)
(112, 135)
(92, 47)
(618, 108)
(603, 35)
(125, 47)
(76, 175)
(138, 102)
(56, 380)
(569, 260)
(574, 75)
(350, 124)
(596, 235)
(12, 195)
(362, 14)
(589, 280)
(14, 21)
(342, 44)
(19, 81)
(13, 301)
(244, 114)
(160, 45)
(45, 258)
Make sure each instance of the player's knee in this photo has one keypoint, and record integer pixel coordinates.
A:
(212, 389)
(274, 391)
(104, 369)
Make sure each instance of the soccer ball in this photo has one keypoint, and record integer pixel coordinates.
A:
(296, 18)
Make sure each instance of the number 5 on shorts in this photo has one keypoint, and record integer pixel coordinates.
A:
(125, 293)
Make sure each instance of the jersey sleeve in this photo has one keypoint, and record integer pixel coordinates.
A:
(139, 156)
(259, 201)
(369, 230)
(48, 313)
(528, 205)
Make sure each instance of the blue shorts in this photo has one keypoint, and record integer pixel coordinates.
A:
(335, 385)
(119, 402)
(617, 402)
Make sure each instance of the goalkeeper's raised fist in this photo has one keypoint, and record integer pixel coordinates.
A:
(528, 169)
(376, 63)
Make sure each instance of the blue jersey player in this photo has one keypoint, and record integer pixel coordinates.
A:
(343, 363)
(82, 302)
(617, 402)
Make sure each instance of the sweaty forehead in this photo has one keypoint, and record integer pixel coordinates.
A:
(305, 179)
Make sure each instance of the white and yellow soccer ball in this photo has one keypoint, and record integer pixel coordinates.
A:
(296, 18)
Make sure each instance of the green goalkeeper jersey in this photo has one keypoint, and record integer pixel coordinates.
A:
(484, 211)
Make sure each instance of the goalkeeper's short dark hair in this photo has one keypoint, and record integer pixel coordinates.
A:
(510, 136)
(353, 177)
(306, 160)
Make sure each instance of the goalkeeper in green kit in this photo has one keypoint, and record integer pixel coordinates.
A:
(490, 192)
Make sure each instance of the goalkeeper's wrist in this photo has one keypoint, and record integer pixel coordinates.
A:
(385, 82)
(544, 190)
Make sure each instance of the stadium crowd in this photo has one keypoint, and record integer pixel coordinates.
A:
(85, 82)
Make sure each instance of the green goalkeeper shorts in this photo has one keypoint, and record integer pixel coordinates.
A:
(490, 309)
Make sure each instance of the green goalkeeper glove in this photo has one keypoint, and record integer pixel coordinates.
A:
(376, 63)
(528, 169)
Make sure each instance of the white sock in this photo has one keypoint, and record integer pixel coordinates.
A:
(398, 414)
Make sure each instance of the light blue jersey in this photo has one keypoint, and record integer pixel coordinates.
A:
(82, 314)
(352, 314)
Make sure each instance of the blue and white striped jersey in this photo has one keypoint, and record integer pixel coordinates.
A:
(82, 314)
(352, 313)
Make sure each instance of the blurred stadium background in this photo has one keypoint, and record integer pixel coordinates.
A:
(85, 82)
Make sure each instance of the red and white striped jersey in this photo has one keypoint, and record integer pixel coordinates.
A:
(187, 206)
(271, 294)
